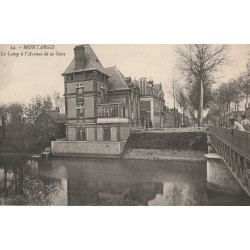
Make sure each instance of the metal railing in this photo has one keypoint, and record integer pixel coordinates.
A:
(112, 110)
(235, 151)
(239, 141)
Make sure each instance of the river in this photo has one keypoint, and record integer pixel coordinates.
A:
(78, 181)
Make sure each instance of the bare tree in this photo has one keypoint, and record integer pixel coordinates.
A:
(199, 63)
(235, 86)
(182, 100)
(245, 86)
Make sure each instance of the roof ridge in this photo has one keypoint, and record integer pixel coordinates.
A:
(120, 73)
(117, 80)
(93, 54)
(110, 67)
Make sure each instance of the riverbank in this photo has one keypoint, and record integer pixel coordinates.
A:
(16, 154)
(164, 155)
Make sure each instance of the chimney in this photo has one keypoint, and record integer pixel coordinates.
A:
(79, 57)
(128, 81)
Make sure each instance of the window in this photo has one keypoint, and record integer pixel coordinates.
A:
(124, 112)
(80, 100)
(102, 88)
(114, 111)
(81, 135)
(80, 111)
(132, 96)
(72, 77)
(107, 134)
(80, 92)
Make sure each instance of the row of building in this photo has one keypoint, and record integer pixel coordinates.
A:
(101, 105)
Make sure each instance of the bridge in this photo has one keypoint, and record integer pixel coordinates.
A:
(233, 148)
(235, 151)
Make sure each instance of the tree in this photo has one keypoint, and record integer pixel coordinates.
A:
(236, 94)
(29, 127)
(3, 110)
(41, 118)
(194, 92)
(15, 130)
(59, 101)
(223, 97)
(183, 101)
(245, 87)
(199, 63)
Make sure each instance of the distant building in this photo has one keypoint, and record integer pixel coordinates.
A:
(152, 103)
(171, 118)
(100, 105)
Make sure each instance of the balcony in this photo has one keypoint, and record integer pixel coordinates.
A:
(112, 113)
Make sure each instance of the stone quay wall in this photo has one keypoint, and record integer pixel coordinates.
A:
(100, 149)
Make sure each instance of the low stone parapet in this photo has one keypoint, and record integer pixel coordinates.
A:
(98, 149)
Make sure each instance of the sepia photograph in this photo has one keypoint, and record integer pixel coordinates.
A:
(125, 125)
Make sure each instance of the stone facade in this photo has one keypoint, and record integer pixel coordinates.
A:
(98, 100)
(101, 106)
(88, 149)
(152, 103)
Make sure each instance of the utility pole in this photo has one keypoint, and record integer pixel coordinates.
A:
(247, 80)
(174, 103)
(3, 128)
(201, 105)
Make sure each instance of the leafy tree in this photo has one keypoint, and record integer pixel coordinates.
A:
(29, 127)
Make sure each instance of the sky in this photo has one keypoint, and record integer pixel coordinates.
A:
(23, 77)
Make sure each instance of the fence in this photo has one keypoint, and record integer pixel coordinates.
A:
(235, 150)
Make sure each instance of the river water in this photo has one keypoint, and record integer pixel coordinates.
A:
(77, 181)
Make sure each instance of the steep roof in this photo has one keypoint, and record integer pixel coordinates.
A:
(91, 61)
(117, 80)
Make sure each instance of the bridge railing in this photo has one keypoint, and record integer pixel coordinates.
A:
(239, 141)
(235, 151)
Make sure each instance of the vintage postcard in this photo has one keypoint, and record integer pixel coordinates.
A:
(124, 125)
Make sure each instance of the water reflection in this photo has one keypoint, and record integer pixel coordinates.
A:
(222, 187)
(102, 182)
(20, 186)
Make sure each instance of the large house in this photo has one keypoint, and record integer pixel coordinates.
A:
(100, 105)
(152, 103)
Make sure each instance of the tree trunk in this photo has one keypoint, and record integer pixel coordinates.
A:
(201, 106)
(238, 111)
(174, 105)
(246, 105)
(183, 117)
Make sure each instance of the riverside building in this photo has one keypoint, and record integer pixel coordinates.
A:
(101, 106)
